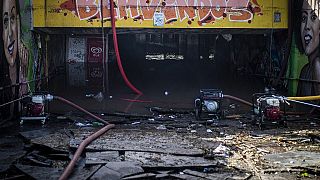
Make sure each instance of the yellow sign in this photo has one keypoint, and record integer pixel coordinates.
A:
(175, 13)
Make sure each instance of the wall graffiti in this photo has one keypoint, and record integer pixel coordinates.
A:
(305, 66)
(14, 62)
(177, 13)
(206, 10)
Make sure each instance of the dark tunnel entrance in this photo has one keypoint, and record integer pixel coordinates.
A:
(238, 64)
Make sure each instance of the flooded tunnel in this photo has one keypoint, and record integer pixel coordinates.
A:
(169, 68)
(185, 63)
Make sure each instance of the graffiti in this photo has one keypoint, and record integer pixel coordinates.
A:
(308, 27)
(206, 11)
(14, 55)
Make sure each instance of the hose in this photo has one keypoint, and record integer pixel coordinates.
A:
(81, 109)
(305, 98)
(237, 99)
(81, 147)
(68, 170)
(301, 102)
(116, 49)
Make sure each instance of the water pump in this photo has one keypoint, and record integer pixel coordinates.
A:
(208, 104)
(269, 108)
(34, 107)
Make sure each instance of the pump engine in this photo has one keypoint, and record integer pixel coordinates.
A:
(35, 107)
(208, 104)
(267, 109)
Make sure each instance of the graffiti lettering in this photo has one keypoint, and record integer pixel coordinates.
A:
(106, 9)
(219, 8)
(86, 9)
(238, 10)
(121, 11)
(170, 11)
(148, 7)
(205, 10)
(187, 9)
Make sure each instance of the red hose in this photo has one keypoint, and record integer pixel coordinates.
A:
(116, 49)
(68, 170)
(81, 109)
(66, 173)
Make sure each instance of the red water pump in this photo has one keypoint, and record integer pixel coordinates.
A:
(34, 107)
(268, 108)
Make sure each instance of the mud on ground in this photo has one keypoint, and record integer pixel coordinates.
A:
(163, 145)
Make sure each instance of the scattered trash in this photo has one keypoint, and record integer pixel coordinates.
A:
(161, 127)
(209, 131)
(89, 95)
(102, 114)
(151, 119)
(262, 150)
(304, 174)
(110, 97)
(99, 97)
(135, 123)
(96, 124)
(193, 131)
(232, 106)
(209, 170)
(83, 124)
(160, 116)
(181, 172)
(221, 150)
(61, 117)
(228, 137)
(172, 116)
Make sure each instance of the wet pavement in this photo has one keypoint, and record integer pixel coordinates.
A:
(157, 137)
(167, 143)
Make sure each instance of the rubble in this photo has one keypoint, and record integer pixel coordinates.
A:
(232, 149)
